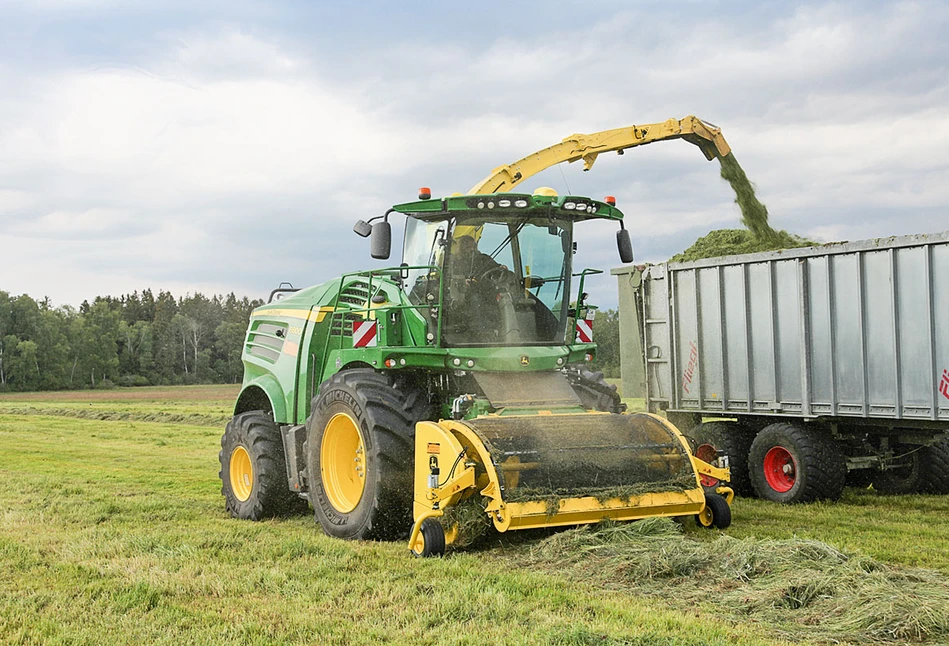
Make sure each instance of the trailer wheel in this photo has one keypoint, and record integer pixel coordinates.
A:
(360, 452)
(593, 390)
(253, 469)
(732, 439)
(431, 541)
(936, 468)
(716, 513)
(905, 479)
(790, 464)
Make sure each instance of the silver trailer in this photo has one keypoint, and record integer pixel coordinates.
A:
(801, 365)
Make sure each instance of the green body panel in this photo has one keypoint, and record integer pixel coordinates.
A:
(282, 358)
(296, 343)
(271, 388)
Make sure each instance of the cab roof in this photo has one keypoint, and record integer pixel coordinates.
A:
(575, 207)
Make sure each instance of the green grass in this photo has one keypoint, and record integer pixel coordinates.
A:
(113, 531)
(905, 530)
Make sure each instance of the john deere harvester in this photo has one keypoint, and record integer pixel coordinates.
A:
(391, 399)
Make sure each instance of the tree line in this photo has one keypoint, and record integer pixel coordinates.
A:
(141, 339)
(606, 337)
(136, 339)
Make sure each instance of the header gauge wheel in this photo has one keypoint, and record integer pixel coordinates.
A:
(716, 513)
(431, 540)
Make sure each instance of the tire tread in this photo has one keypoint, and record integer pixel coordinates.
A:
(936, 468)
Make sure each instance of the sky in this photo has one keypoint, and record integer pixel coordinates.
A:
(228, 146)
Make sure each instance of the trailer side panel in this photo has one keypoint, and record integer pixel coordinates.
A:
(845, 330)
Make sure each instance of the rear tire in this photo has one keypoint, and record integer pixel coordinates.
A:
(790, 464)
(936, 468)
(734, 441)
(253, 469)
(360, 454)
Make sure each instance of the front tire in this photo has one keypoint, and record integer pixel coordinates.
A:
(253, 468)
(360, 454)
(790, 464)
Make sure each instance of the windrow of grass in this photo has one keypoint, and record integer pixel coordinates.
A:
(901, 530)
(108, 413)
(209, 405)
(799, 588)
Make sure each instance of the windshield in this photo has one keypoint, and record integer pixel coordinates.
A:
(423, 247)
(505, 281)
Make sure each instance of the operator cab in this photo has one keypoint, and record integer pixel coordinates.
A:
(506, 275)
(493, 270)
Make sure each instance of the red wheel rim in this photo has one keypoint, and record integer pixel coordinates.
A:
(707, 453)
(780, 469)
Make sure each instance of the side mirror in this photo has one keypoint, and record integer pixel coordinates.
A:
(381, 241)
(362, 229)
(624, 245)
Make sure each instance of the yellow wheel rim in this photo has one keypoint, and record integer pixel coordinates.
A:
(419, 545)
(343, 463)
(242, 473)
(705, 516)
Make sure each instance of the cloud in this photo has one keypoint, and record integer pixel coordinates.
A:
(231, 53)
(232, 156)
(94, 224)
(60, 5)
(222, 136)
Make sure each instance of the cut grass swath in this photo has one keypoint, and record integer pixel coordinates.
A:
(800, 587)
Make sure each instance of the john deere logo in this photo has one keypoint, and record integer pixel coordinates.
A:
(525, 360)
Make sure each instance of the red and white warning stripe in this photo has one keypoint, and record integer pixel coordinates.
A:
(584, 331)
(364, 334)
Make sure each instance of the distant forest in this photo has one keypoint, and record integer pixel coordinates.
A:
(133, 340)
(141, 339)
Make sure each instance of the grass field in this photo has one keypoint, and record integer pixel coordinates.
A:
(112, 530)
